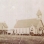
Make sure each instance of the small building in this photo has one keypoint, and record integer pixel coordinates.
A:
(3, 28)
(28, 26)
(10, 32)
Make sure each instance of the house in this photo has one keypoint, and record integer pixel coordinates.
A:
(28, 26)
(3, 28)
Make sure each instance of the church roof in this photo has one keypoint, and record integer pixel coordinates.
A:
(26, 23)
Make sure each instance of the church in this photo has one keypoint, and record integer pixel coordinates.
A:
(29, 26)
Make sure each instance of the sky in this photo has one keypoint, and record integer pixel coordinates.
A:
(13, 10)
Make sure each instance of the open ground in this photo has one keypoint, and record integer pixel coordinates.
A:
(15, 39)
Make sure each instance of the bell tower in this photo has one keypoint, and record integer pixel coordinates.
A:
(39, 15)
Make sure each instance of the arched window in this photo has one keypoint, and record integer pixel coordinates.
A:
(31, 29)
(40, 28)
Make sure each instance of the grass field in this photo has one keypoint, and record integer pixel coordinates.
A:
(14, 39)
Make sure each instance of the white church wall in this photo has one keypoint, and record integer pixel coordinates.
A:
(21, 30)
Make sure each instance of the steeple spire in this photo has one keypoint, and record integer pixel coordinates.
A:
(39, 14)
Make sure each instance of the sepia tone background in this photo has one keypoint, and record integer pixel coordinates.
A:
(13, 10)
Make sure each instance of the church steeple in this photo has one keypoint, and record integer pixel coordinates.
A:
(39, 14)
